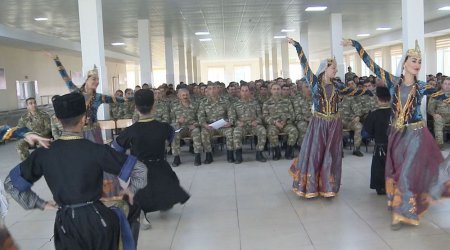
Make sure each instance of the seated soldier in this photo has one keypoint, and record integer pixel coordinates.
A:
(36, 121)
(440, 111)
(248, 116)
(279, 116)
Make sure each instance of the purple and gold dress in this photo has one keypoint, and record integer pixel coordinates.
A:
(413, 156)
(317, 169)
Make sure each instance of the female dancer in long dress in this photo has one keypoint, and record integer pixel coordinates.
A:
(317, 170)
(413, 156)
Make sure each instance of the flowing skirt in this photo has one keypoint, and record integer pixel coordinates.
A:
(317, 169)
(413, 170)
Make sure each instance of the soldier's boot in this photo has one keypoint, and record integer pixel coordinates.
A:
(230, 156)
(289, 154)
(198, 160)
(176, 161)
(191, 148)
(238, 156)
(208, 158)
(260, 157)
(357, 152)
(276, 154)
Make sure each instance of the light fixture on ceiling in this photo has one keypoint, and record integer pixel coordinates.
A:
(205, 39)
(117, 44)
(363, 35)
(279, 37)
(444, 8)
(202, 33)
(384, 28)
(40, 18)
(316, 8)
(287, 30)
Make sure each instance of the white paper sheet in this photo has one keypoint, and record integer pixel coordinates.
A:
(218, 124)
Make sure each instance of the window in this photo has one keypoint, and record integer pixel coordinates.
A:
(443, 55)
(2, 79)
(396, 57)
(159, 77)
(295, 71)
(216, 74)
(242, 73)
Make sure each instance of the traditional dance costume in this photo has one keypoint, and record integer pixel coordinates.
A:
(413, 157)
(317, 169)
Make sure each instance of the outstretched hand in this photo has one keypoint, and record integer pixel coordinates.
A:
(49, 54)
(346, 42)
(290, 40)
(32, 139)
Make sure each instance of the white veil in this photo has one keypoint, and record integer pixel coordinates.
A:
(322, 67)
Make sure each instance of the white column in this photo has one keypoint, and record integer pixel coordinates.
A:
(182, 61)
(189, 63)
(413, 29)
(336, 37)
(145, 51)
(92, 46)
(386, 58)
(358, 64)
(267, 65)
(304, 42)
(170, 75)
(430, 51)
(274, 61)
(285, 59)
(195, 69)
(261, 70)
(199, 70)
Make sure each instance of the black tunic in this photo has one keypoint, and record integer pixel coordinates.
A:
(147, 141)
(377, 125)
(73, 170)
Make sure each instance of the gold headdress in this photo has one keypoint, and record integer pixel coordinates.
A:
(414, 52)
(93, 72)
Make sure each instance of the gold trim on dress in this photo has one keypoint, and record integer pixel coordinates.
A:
(328, 117)
(416, 125)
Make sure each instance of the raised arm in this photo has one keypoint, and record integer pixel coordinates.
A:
(62, 71)
(387, 77)
(310, 77)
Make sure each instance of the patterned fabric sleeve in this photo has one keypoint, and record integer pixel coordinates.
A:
(310, 77)
(387, 77)
(62, 71)
(7, 133)
(441, 96)
(427, 89)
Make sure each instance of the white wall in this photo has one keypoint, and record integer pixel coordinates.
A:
(22, 63)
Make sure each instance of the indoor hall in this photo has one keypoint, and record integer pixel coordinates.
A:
(232, 206)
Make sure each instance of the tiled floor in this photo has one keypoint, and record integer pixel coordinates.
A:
(250, 206)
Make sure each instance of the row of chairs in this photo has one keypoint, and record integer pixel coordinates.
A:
(114, 126)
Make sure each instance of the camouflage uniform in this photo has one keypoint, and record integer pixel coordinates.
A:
(209, 112)
(443, 109)
(190, 114)
(161, 112)
(350, 108)
(302, 108)
(39, 123)
(367, 104)
(129, 108)
(248, 112)
(116, 110)
(280, 109)
(57, 127)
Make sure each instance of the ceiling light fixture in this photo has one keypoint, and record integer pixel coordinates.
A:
(279, 37)
(316, 8)
(40, 18)
(287, 30)
(117, 44)
(202, 33)
(444, 8)
(363, 35)
(205, 39)
(384, 28)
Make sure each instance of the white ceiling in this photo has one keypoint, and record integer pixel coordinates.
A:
(239, 28)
